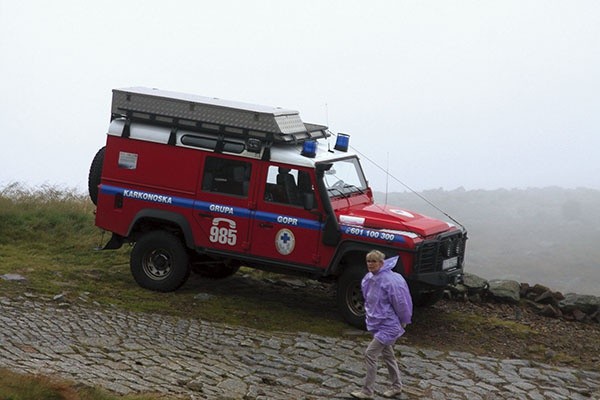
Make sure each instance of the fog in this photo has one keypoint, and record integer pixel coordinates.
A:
(538, 236)
(478, 95)
(444, 94)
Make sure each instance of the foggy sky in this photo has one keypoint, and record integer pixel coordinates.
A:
(444, 94)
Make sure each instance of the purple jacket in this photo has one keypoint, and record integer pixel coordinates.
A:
(387, 302)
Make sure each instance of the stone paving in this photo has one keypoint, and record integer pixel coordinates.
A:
(126, 352)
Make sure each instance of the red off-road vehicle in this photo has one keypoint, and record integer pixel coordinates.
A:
(209, 185)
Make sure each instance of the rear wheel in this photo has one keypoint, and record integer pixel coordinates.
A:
(95, 175)
(160, 262)
(350, 299)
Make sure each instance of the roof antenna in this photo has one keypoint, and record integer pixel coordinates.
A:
(327, 123)
(408, 187)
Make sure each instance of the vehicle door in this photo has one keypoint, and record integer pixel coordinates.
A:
(221, 208)
(282, 228)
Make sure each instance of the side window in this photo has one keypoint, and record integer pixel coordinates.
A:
(226, 176)
(287, 185)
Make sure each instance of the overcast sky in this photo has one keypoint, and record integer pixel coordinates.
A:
(446, 94)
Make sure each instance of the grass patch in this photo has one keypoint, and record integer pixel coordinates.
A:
(48, 236)
(482, 324)
(15, 386)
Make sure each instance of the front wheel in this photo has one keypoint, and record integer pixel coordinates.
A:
(159, 262)
(350, 299)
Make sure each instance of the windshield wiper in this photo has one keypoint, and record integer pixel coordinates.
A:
(341, 193)
(354, 187)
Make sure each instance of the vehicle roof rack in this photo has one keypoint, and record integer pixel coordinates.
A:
(211, 115)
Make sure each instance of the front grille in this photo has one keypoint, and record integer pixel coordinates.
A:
(431, 254)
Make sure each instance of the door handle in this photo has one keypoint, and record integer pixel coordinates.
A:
(266, 225)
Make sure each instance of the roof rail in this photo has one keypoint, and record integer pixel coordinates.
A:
(211, 115)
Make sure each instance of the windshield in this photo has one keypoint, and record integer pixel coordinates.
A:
(345, 177)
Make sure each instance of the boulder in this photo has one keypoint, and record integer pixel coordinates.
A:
(550, 311)
(505, 290)
(474, 283)
(547, 298)
(586, 303)
(539, 289)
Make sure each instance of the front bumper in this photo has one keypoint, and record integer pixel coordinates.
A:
(439, 261)
(440, 279)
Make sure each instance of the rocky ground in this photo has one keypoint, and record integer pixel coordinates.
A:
(453, 350)
(490, 327)
(506, 331)
(485, 327)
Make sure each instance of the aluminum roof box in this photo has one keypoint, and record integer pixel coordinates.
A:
(212, 115)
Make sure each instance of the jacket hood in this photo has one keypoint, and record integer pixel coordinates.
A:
(393, 218)
(389, 264)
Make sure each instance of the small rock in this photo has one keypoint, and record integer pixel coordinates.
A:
(550, 311)
(550, 354)
(203, 297)
(195, 385)
(579, 315)
(13, 277)
(295, 283)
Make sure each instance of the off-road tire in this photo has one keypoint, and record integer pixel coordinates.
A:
(95, 175)
(350, 300)
(160, 262)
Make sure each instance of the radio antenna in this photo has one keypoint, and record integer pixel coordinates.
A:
(387, 177)
(409, 188)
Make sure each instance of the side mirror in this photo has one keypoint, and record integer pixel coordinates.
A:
(308, 201)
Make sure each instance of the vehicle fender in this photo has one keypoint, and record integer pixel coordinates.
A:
(350, 252)
(160, 218)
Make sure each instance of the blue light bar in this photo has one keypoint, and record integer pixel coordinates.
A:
(342, 142)
(309, 149)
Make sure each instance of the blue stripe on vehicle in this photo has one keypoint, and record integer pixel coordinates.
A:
(222, 209)
(211, 207)
(287, 220)
(372, 233)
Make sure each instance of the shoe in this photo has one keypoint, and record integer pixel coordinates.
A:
(392, 393)
(359, 394)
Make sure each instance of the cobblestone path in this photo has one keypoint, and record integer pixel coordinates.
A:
(190, 359)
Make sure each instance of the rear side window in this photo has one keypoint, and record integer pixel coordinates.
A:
(226, 176)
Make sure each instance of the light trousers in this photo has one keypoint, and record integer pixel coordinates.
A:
(372, 354)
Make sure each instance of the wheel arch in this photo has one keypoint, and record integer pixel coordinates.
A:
(151, 219)
(350, 252)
